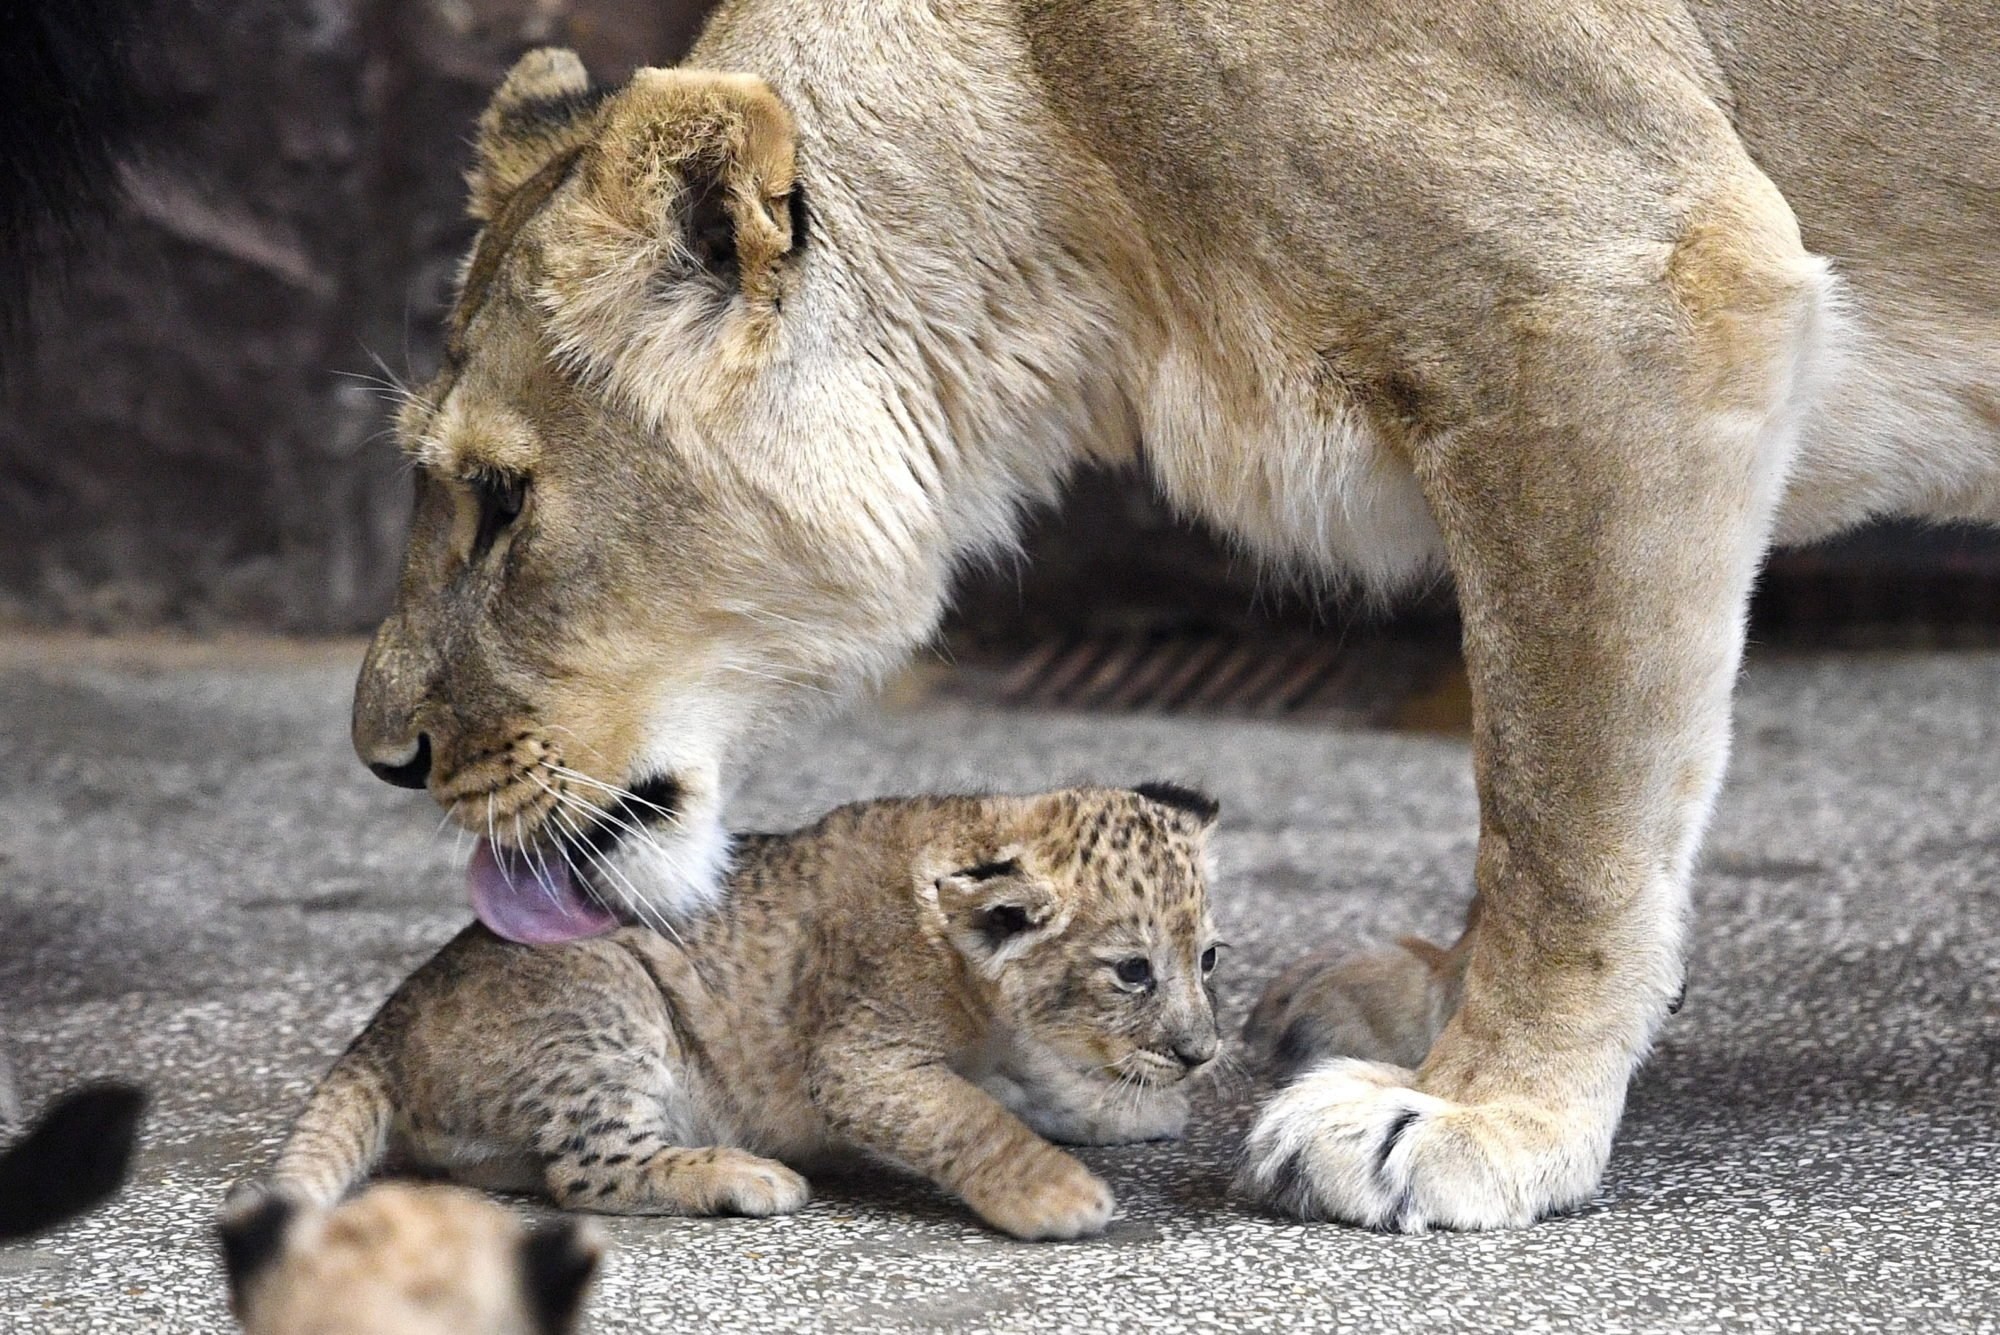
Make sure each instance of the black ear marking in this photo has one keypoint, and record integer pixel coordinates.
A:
(252, 1238)
(801, 215)
(1181, 798)
(1000, 922)
(557, 1263)
(72, 1160)
(551, 114)
(708, 228)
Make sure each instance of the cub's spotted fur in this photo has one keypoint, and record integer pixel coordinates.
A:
(930, 981)
(402, 1260)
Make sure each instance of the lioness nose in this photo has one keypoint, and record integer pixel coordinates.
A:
(412, 771)
(1196, 1049)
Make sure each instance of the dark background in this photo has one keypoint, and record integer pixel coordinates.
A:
(192, 434)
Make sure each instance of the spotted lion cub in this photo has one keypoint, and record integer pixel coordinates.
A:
(402, 1260)
(928, 981)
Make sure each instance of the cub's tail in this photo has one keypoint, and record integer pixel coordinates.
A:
(342, 1134)
(73, 1160)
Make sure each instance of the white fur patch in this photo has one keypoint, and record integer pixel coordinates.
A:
(1899, 414)
(1309, 490)
(1355, 1141)
(679, 872)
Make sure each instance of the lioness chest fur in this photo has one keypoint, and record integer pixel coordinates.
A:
(930, 981)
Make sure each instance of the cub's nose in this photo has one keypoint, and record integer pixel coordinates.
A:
(1197, 1050)
(412, 770)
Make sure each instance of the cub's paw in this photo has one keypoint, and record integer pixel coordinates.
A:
(1159, 1115)
(1117, 1120)
(749, 1184)
(1385, 1005)
(1062, 1200)
(1355, 1141)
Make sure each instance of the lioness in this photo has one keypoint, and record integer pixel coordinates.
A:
(751, 354)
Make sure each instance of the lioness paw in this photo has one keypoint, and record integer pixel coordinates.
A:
(1356, 1141)
(1068, 1202)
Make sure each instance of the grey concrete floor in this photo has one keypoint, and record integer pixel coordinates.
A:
(199, 888)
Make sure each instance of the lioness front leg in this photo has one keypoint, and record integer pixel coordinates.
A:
(906, 1105)
(1604, 544)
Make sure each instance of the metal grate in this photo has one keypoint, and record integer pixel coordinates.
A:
(1370, 681)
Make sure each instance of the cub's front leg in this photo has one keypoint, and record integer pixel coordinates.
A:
(902, 1101)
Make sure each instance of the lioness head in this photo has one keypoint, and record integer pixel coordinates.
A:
(1090, 928)
(627, 555)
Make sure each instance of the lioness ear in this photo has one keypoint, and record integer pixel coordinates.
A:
(995, 911)
(708, 161)
(541, 110)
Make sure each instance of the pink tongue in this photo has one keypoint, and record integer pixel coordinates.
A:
(531, 900)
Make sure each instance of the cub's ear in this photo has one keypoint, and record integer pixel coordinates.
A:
(1191, 801)
(542, 109)
(995, 911)
(253, 1230)
(558, 1261)
(73, 1159)
(707, 162)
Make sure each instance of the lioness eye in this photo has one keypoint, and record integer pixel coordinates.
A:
(501, 496)
(1208, 960)
(1135, 972)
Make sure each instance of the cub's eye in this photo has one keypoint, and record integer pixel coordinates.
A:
(1134, 972)
(1208, 960)
(500, 496)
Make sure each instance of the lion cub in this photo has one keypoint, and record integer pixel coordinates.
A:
(402, 1260)
(922, 980)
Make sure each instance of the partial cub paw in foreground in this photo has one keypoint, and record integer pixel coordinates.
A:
(926, 981)
(402, 1260)
(1384, 1005)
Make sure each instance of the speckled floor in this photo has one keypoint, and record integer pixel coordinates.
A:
(199, 888)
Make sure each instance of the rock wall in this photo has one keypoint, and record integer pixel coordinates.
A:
(191, 432)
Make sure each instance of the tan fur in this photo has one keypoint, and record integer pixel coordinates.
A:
(400, 1260)
(1584, 302)
(928, 981)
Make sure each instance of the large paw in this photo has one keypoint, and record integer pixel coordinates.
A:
(1386, 1005)
(1061, 1200)
(749, 1184)
(1356, 1141)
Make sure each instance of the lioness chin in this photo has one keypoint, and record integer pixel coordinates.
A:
(745, 363)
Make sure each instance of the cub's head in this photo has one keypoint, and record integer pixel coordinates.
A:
(632, 551)
(403, 1260)
(1086, 917)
